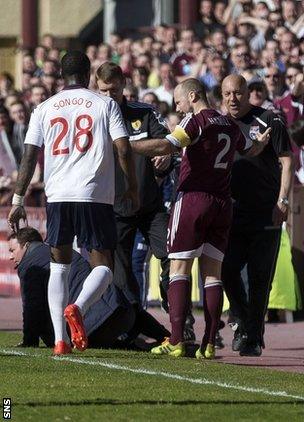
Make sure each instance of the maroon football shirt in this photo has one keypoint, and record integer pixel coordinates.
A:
(207, 161)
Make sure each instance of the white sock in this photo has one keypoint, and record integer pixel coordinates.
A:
(58, 297)
(94, 287)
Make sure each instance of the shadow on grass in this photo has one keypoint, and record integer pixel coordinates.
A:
(113, 402)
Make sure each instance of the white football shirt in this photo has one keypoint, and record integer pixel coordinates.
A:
(77, 127)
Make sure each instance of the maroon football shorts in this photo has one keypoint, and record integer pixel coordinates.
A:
(199, 224)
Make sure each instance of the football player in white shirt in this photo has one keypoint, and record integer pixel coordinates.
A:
(79, 130)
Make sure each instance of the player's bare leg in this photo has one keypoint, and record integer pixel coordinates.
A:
(213, 303)
(58, 295)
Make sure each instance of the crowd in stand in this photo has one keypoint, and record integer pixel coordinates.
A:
(261, 40)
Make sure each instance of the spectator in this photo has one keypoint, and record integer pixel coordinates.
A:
(292, 102)
(289, 13)
(216, 74)
(38, 94)
(104, 53)
(8, 162)
(28, 64)
(140, 81)
(152, 99)
(130, 92)
(54, 54)
(218, 43)
(50, 83)
(208, 20)
(274, 82)
(240, 58)
(20, 118)
(296, 132)
(6, 84)
(91, 52)
(258, 94)
(40, 55)
(50, 68)
(182, 60)
(165, 91)
(114, 42)
(6, 124)
(48, 41)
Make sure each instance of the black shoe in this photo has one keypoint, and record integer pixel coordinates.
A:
(238, 341)
(251, 349)
(219, 341)
(189, 334)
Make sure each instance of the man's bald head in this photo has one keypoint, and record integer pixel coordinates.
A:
(189, 94)
(235, 95)
(235, 81)
(192, 85)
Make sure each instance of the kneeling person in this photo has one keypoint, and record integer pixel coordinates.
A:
(106, 320)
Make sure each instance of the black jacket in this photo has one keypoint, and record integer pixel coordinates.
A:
(142, 122)
(34, 271)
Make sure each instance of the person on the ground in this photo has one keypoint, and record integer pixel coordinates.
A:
(110, 318)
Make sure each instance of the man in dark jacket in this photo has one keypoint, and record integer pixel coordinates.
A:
(260, 187)
(142, 122)
(106, 320)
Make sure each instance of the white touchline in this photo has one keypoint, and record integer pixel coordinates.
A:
(200, 381)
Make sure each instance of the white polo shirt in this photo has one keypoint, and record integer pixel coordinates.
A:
(77, 127)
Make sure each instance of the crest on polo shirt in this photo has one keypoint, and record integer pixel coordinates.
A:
(136, 124)
(253, 131)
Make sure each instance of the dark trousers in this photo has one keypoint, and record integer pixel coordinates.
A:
(259, 250)
(153, 227)
(120, 322)
(140, 258)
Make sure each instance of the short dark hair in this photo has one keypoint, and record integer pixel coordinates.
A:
(26, 234)
(297, 66)
(142, 71)
(75, 63)
(109, 71)
(195, 85)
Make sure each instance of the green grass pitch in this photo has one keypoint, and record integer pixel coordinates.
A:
(110, 385)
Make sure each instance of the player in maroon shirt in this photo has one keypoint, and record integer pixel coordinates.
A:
(201, 217)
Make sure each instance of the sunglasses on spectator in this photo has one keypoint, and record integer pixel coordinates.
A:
(290, 76)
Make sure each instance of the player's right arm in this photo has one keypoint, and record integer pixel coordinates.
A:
(33, 142)
(182, 136)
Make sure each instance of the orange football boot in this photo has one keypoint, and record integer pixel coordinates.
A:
(74, 319)
(62, 348)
